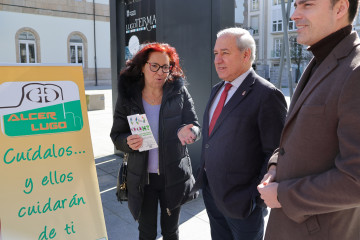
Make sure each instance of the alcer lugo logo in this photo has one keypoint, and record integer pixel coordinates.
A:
(40, 108)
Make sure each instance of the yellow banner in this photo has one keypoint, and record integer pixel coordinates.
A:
(49, 186)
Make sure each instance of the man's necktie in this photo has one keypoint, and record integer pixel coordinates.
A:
(219, 106)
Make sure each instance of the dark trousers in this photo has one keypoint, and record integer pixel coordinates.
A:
(153, 193)
(225, 228)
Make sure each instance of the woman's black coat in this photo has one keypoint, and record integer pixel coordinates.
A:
(177, 110)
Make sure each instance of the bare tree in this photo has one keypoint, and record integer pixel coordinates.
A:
(299, 55)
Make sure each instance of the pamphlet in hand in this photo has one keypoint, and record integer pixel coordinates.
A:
(139, 125)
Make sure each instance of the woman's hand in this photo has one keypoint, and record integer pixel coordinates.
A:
(134, 142)
(185, 135)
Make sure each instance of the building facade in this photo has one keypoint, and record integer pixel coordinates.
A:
(264, 20)
(58, 32)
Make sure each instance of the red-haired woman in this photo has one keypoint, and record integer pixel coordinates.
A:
(153, 83)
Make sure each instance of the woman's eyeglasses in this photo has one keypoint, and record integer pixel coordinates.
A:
(154, 67)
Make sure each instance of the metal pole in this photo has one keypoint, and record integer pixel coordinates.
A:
(278, 84)
(285, 15)
(96, 78)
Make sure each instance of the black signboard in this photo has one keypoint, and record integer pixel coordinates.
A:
(140, 25)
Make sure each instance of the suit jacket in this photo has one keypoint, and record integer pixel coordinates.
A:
(318, 162)
(244, 137)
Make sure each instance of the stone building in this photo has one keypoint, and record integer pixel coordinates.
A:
(57, 32)
(264, 20)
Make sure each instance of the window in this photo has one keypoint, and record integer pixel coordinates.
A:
(277, 47)
(277, 26)
(292, 25)
(27, 47)
(254, 25)
(278, 2)
(76, 50)
(297, 50)
(255, 5)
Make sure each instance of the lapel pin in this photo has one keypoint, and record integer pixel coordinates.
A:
(244, 92)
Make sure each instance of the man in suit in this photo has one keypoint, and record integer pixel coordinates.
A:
(241, 130)
(313, 182)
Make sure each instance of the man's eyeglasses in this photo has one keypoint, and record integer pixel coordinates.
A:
(154, 67)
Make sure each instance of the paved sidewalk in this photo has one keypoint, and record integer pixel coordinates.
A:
(194, 223)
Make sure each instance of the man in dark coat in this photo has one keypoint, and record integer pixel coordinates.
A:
(313, 183)
(238, 139)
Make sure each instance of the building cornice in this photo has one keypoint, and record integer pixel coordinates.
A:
(60, 8)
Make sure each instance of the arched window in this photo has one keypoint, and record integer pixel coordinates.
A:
(77, 46)
(76, 49)
(27, 43)
(27, 48)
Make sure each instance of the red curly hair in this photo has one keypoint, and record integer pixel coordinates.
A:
(134, 65)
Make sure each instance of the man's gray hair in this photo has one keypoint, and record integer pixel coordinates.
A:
(244, 39)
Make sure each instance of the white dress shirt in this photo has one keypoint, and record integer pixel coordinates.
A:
(235, 85)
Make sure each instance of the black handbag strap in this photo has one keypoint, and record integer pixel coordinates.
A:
(126, 157)
(124, 168)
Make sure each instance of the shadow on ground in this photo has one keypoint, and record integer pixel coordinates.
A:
(119, 222)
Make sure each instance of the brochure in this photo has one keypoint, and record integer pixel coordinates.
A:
(139, 125)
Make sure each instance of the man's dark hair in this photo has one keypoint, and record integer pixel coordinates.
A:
(353, 8)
